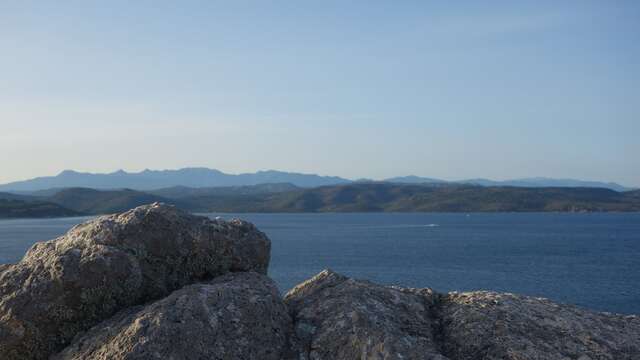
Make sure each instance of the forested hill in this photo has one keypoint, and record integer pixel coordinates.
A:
(421, 198)
(10, 209)
(357, 197)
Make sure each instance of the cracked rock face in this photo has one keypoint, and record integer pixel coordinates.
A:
(492, 326)
(340, 318)
(64, 286)
(235, 316)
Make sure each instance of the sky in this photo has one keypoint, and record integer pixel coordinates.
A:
(359, 89)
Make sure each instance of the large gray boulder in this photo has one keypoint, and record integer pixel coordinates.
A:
(492, 326)
(236, 316)
(64, 286)
(339, 318)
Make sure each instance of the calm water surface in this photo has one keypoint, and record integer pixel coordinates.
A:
(592, 260)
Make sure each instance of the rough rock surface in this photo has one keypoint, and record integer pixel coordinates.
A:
(340, 318)
(236, 316)
(64, 286)
(491, 326)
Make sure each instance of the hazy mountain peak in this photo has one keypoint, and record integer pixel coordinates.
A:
(413, 179)
(523, 182)
(545, 182)
(197, 177)
(155, 179)
(68, 172)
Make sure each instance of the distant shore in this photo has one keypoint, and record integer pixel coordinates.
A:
(358, 197)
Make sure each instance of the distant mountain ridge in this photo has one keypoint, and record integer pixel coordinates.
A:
(198, 177)
(412, 179)
(547, 182)
(157, 179)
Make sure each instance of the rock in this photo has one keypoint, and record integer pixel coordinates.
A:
(340, 318)
(492, 326)
(64, 286)
(122, 287)
(236, 316)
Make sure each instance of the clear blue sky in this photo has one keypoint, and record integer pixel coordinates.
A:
(372, 89)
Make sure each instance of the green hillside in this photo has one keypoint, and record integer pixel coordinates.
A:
(32, 209)
(183, 192)
(421, 198)
(92, 201)
(359, 197)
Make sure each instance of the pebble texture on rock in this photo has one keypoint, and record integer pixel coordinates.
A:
(491, 326)
(64, 286)
(343, 319)
(236, 316)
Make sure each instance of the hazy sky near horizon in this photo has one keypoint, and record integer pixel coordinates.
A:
(375, 89)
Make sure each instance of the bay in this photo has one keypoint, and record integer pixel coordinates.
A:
(591, 260)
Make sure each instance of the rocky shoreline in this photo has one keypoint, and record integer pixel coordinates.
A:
(158, 283)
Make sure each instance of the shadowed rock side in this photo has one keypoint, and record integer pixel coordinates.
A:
(64, 286)
(235, 316)
(492, 326)
(341, 318)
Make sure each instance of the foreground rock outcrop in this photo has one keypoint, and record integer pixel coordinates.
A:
(235, 316)
(341, 318)
(157, 283)
(64, 286)
(492, 326)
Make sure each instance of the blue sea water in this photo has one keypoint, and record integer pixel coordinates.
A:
(591, 260)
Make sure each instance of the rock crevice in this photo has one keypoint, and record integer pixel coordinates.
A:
(435, 305)
(341, 318)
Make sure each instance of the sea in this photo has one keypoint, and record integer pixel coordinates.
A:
(587, 259)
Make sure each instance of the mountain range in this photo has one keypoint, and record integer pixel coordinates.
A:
(156, 179)
(203, 177)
